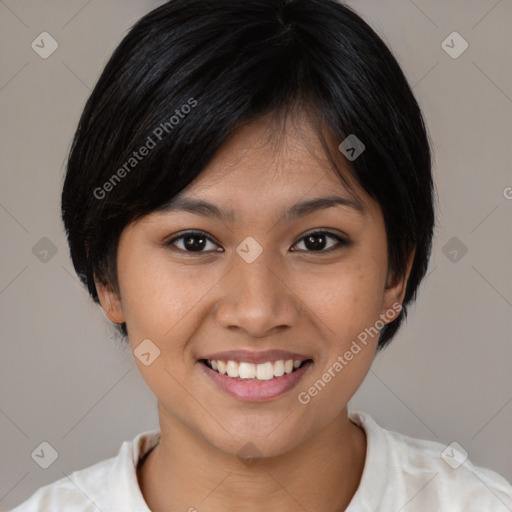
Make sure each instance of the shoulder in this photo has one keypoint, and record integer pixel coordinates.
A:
(110, 484)
(76, 492)
(449, 465)
(435, 474)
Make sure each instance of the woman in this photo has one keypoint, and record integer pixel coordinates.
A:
(249, 197)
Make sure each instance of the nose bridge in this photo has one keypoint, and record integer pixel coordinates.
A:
(258, 278)
(256, 299)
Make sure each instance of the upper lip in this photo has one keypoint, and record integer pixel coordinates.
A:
(250, 356)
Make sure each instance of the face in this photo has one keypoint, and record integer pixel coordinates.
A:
(273, 278)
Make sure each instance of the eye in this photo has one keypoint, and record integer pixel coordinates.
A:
(197, 242)
(192, 242)
(316, 241)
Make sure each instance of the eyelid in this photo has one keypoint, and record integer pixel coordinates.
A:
(343, 240)
(328, 231)
(183, 234)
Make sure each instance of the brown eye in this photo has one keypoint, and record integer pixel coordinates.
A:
(192, 242)
(317, 241)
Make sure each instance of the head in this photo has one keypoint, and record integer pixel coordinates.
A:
(252, 107)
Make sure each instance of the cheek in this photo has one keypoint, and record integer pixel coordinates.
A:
(347, 299)
(155, 303)
(348, 303)
(154, 299)
(164, 303)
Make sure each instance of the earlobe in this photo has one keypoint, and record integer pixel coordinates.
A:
(110, 302)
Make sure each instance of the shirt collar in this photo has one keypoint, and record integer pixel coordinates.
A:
(124, 490)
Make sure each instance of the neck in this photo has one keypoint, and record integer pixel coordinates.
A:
(185, 472)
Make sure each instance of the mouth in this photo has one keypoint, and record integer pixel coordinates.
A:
(247, 371)
(255, 377)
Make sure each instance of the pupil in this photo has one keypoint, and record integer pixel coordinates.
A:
(313, 245)
(189, 242)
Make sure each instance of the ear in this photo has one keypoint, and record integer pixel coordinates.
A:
(110, 302)
(394, 292)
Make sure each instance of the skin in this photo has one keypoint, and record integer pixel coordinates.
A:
(293, 297)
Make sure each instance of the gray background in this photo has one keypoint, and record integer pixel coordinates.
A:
(64, 376)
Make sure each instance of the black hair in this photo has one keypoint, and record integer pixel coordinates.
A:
(191, 72)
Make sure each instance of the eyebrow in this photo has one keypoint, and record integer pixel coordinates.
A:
(300, 209)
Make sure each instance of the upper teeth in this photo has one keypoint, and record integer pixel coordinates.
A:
(262, 371)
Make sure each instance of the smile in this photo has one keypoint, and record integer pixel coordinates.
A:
(265, 377)
(250, 371)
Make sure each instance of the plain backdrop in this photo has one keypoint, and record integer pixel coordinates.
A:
(65, 378)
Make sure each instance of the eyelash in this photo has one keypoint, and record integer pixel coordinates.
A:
(200, 234)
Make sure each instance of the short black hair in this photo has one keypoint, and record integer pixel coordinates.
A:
(190, 72)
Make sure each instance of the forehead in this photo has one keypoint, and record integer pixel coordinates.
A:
(268, 172)
(264, 161)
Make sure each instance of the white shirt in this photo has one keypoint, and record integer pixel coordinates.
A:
(401, 473)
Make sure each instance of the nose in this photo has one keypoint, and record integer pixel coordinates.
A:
(257, 298)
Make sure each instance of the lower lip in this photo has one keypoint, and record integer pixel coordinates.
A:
(257, 391)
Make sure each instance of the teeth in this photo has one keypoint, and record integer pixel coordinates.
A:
(279, 368)
(232, 368)
(263, 371)
(221, 365)
(246, 370)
